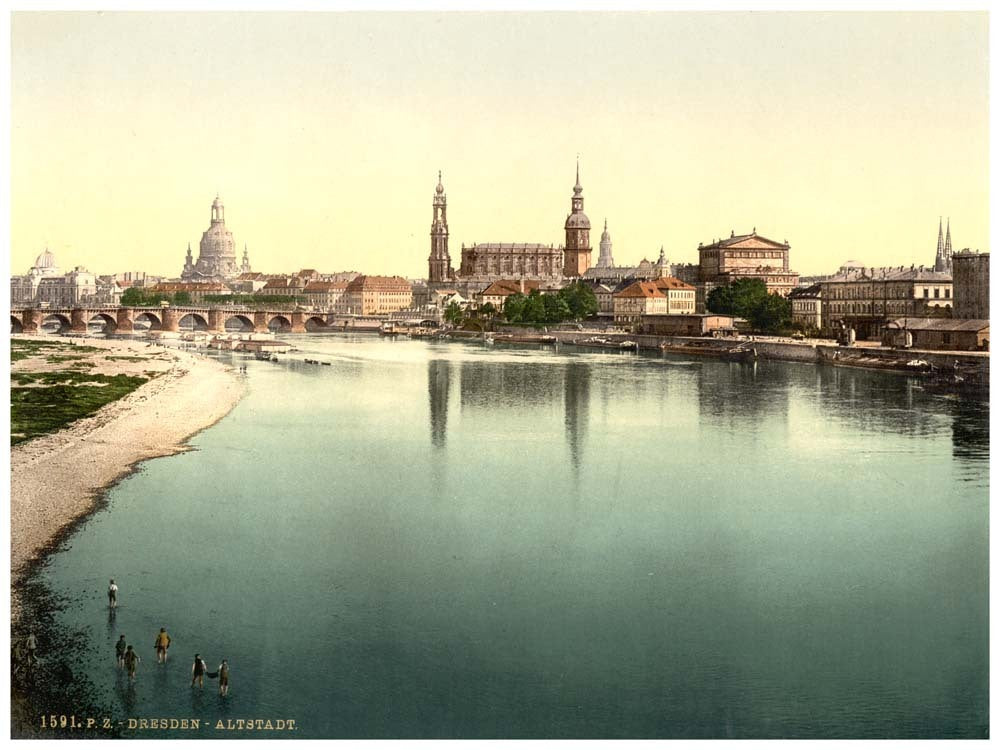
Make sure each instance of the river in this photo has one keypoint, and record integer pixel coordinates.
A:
(434, 539)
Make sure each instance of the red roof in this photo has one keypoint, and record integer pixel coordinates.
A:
(641, 289)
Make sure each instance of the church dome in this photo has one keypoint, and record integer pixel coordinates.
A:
(578, 220)
(46, 260)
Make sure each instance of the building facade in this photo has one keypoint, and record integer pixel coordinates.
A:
(576, 255)
(807, 314)
(971, 285)
(867, 299)
(747, 256)
(938, 333)
(46, 285)
(378, 295)
(328, 296)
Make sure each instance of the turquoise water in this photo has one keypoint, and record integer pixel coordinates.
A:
(432, 539)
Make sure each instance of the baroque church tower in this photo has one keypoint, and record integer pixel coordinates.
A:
(605, 260)
(439, 263)
(576, 255)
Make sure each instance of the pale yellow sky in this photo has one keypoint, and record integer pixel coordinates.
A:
(847, 134)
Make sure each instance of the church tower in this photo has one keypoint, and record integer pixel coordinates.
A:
(940, 262)
(604, 260)
(947, 246)
(576, 255)
(188, 264)
(245, 266)
(439, 262)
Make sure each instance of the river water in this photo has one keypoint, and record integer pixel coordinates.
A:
(431, 539)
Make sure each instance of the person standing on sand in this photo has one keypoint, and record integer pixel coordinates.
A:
(112, 594)
(120, 651)
(162, 644)
(198, 671)
(131, 662)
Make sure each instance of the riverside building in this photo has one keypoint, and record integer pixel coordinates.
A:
(971, 284)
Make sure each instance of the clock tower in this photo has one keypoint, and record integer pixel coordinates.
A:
(439, 262)
(576, 254)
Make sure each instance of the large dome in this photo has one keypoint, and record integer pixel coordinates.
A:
(45, 264)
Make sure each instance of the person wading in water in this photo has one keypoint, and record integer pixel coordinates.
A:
(112, 594)
(161, 645)
(131, 662)
(120, 651)
(198, 670)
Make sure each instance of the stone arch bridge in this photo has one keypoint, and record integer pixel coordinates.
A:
(117, 319)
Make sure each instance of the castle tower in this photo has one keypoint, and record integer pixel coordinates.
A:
(940, 264)
(947, 246)
(439, 262)
(576, 255)
(604, 260)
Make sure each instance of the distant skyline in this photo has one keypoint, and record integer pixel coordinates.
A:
(846, 134)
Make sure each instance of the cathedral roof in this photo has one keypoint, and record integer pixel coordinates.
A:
(577, 220)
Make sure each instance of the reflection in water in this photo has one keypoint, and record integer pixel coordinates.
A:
(498, 384)
(576, 389)
(438, 390)
(970, 429)
(740, 394)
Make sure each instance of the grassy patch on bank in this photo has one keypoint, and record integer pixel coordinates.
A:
(23, 349)
(55, 399)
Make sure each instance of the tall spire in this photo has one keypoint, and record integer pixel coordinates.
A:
(578, 188)
(939, 259)
(947, 244)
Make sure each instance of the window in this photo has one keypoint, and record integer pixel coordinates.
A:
(947, 293)
(937, 292)
(927, 292)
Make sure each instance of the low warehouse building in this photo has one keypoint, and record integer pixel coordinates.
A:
(708, 324)
(938, 333)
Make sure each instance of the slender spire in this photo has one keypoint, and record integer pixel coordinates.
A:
(578, 188)
(947, 241)
(939, 259)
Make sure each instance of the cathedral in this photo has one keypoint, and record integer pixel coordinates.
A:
(942, 261)
(216, 253)
(482, 264)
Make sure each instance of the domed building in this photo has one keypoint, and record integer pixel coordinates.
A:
(216, 253)
(46, 283)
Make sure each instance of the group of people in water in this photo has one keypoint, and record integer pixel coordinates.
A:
(128, 659)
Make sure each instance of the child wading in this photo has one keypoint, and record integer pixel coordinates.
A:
(198, 670)
(131, 662)
(120, 648)
(112, 594)
(224, 678)
(161, 645)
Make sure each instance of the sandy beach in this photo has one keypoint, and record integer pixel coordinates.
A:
(58, 478)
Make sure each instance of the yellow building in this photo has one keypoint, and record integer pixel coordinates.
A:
(378, 295)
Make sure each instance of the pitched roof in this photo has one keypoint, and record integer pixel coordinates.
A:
(325, 286)
(736, 239)
(669, 282)
(940, 324)
(641, 289)
(379, 283)
(890, 273)
(802, 292)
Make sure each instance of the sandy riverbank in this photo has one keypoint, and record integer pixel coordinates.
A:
(57, 479)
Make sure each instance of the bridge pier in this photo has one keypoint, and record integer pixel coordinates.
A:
(260, 322)
(216, 321)
(171, 320)
(298, 322)
(77, 320)
(31, 320)
(124, 321)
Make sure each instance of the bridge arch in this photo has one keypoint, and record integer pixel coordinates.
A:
(150, 319)
(16, 326)
(279, 323)
(238, 323)
(193, 321)
(315, 323)
(56, 321)
(110, 323)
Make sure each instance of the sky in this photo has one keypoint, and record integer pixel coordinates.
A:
(846, 134)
